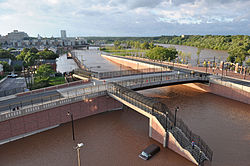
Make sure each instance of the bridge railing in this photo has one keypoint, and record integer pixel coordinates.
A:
(81, 94)
(193, 137)
(120, 73)
(164, 116)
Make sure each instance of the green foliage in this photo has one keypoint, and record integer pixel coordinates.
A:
(42, 77)
(6, 54)
(44, 71)
(30, 58)
(6, 66)
(47, 54)
(161, 53)
(18, 68)
(248, 62)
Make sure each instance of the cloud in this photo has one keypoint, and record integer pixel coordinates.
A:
(125, 17)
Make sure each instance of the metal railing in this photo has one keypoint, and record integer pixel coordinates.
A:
(122, 73)
(193, 137)
(163, 115)
(131, 84)
(80, 94)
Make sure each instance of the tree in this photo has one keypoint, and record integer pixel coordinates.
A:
(44, 71)
(43, 76)
(30, 59)
(161, 53)
(117, 44)
(145, 45)
(6, 54)
(47, 54)
(6, 66)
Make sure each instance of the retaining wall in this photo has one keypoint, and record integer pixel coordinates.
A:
(158, 133)
(130, 63)
(231, 92)
(55, 116)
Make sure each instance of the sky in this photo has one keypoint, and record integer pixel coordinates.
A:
(125, 17)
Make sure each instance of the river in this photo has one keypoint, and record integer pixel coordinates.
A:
(205, 54)
(224, 124)
(91, 58)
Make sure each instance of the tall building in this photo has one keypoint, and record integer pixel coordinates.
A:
(16, 35)
(63, 34)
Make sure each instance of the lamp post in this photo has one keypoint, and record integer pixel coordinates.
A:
(166, 120)
(72, 125)
(79, 145)
(200, 158)
(177, 109)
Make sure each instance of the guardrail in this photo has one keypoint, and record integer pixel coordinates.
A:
(121, 73)
(81, 94)
(164, 116)
(132, 84)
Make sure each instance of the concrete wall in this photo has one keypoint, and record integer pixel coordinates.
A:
(234, 93)
(129, 63)
(55, 116)
(176, 147)
(158, 133)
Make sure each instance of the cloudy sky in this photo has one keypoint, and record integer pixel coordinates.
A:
(125, 17)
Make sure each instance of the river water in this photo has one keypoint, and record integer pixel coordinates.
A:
(224, 124)
(205, 54)
(91, 58)
(110, 139)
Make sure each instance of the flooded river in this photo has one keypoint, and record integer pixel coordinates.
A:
(223, 123)
(90, 58)
(111, 139)
(205, 54)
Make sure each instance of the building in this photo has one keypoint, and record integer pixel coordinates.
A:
(63, 34)
(16, 36)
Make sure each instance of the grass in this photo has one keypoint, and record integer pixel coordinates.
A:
(123, 52)
(57, 81)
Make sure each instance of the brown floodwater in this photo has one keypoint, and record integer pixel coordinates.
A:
(224, 124)
(111, 139)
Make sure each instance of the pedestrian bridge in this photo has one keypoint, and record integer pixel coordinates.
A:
(177, 137)
(174, 128)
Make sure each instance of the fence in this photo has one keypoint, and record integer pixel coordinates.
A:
(193, 137)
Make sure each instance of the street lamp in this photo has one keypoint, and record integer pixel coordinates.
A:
(200, 157)
(177, 109)
(79, 145)
(166, 120)
(72, 124)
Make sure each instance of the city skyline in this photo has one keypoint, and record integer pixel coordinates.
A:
(125, 18)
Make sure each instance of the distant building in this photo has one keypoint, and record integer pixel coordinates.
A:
(63, 34)
(21, 41)
(16, 36)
